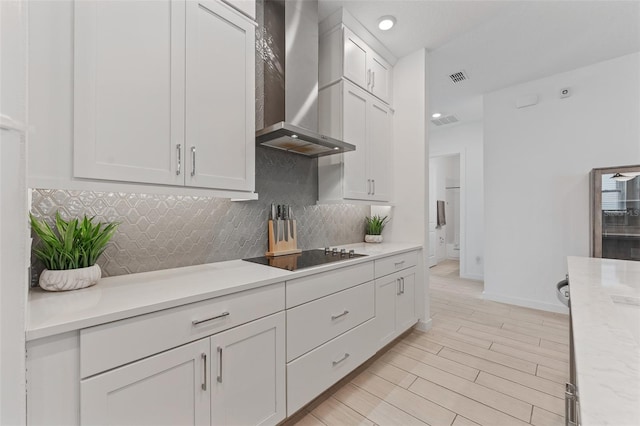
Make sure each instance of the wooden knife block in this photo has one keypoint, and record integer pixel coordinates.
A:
(282, 247)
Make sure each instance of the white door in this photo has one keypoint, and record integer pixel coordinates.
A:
(220, 97)
(356, 183)
(387, 289)
(248, 373)
(129, 90)
(405, 311)
(380, 70)
(355, 60)
(171, 388)
(379, 149)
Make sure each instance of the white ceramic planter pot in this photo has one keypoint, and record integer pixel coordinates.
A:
(71, 279)
(373, 238)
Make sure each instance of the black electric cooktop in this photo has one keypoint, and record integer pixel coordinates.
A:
(306, 259)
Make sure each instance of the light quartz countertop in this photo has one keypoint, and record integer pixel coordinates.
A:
(124, 296)
(605, 314)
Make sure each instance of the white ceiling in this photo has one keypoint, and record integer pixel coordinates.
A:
(498, 43)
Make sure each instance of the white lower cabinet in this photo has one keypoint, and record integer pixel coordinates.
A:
(395, 311)
(249, 358)
(170, 388)
(314, 372)
(330, 333)
(236, 377)
(248, 373)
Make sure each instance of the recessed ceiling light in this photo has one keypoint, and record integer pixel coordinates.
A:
(386, 22)
(436, 115)
(294, 136)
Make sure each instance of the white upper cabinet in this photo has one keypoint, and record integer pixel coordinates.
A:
(220, 118)
(129, 90)
(343, 54)
(349, 113)
(356, 59)
(356, 106)
(164, 93)
(380, 77)
(247, 7)
(379, 150)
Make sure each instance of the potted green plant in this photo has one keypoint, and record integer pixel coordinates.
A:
(69, 255)
(373, 229)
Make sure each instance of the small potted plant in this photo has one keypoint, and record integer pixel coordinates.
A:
(374, 226)
(69, 255)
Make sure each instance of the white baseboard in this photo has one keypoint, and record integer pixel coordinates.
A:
(527, 303)
(423, 325)
(474, 277)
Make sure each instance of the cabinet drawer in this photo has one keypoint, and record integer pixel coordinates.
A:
(314, 323)
(391, 264)
(109, 345)
(313, 373)
(302, 290)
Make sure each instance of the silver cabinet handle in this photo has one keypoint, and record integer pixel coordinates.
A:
(346, 355)
(196, 323)
(373, 80)
(219, 378)
(368, 186)
(397, 286)
(402, 284)
(373, 185)
(179, 150)
(368, 77)
(204, 362)
(398, 264)
(335, 317)
(193, 161)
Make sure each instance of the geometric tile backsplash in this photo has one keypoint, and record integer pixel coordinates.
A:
(168, 231)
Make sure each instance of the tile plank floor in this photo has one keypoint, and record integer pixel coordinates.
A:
(482, 363)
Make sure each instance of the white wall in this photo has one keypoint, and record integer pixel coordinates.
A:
(410, 164)
(466, 139)
(537, 161)
(13, 212)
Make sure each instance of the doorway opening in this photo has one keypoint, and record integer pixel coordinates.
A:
(445, 218)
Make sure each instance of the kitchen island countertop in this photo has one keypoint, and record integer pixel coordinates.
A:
(605, 315)
(125, 296)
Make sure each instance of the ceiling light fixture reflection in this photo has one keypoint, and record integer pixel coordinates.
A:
(621, 177)
(386, 22)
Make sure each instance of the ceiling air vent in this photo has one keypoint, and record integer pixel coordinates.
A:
(447, 119)
(459, 76)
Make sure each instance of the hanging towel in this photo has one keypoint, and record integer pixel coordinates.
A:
(441, 218)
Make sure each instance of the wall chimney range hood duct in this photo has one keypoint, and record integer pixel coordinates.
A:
(287, 47)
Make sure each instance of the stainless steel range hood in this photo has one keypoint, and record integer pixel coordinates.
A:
(287, 49)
